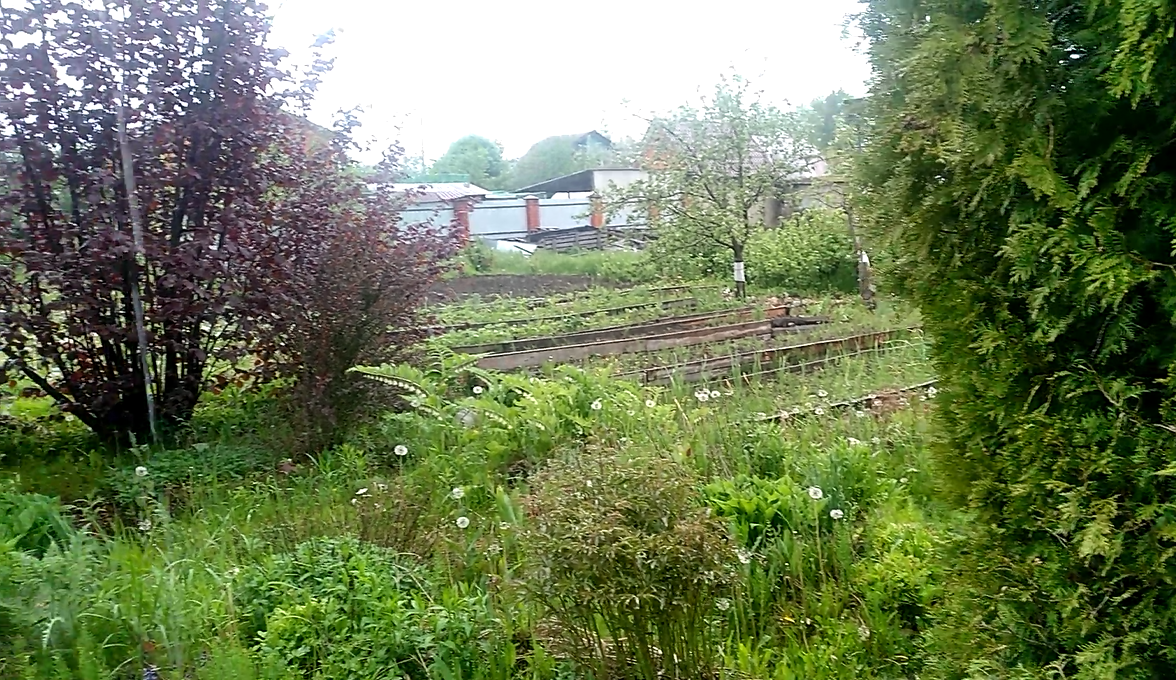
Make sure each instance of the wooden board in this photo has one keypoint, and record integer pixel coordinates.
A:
(686, 302)
(776, 357)
(656, 327)
(653, 343)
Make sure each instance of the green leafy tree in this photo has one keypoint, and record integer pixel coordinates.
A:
(558, 156)
(821, 118)
(1021, 158)
(477, 157)
(712, 169)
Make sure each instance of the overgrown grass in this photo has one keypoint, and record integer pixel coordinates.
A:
(455, 538)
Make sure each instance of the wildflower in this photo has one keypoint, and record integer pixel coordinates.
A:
(145, 525)
(815, 493)
(715, 394)
(822, 394)
(702, 395)
(853, 442)
(743, 555)
(400, 450)
(478, 389)
(723, 604)
(818, 411)
(836, 513)
(630, 413)
(649, 403)
(457, 494)
(596, 405)
(362, 492)
(140, 471)
(463, 522)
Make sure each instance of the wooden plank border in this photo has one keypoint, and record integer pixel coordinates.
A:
(677, 323)
(537, 357)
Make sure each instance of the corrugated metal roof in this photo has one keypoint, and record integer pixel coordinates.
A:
(441, 191)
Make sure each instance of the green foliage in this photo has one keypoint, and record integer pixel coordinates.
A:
(622, 545)
(1020, 159)
(477, 157)
(339, 608)
(812, 253)
(821, 118)
(558, 156)
(31, 522)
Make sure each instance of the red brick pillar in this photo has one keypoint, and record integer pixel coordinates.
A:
(532, 213)
(461, 217)
(597, 217)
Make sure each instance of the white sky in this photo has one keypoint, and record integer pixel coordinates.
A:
(428, 73)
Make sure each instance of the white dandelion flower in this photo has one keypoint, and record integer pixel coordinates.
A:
(702, 396)
(837, 513)
(140, 471)
(145, 525)
(743, 555)
(822, 394)
(630, 413)
(818, 411)
(815, 493)
(457, 494)
(715, 394)
(596, 405)
(478, 389)
(463, 522)
(649, 403)
(400, 450)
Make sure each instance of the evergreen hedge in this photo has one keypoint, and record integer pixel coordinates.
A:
(1021, 159)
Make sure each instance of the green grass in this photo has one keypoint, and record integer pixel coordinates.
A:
(362, 562)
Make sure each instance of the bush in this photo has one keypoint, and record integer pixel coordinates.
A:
(624, 542)
(31, 522)
(342, 608)
(811, 253)
(1021, 161)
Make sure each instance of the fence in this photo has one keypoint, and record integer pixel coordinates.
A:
(495, 219)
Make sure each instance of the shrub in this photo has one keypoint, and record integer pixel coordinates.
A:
(342, 608)
(1020, 159)
(629, 563)
(31, 522)
(247, 214)
(811, 253)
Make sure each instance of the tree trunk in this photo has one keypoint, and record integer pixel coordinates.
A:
(865, 282)
(740, 278)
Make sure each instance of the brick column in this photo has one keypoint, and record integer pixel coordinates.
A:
(532, 213)
(461, 218)
(597, 217)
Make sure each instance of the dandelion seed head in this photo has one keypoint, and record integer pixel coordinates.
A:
(400, 450)
(141, 471)
(596, 405)
(853, 442)
(649, 403)
(457, 493)
(816, 493)
(715, 394)
(818, 411)
(837, 513)
(478, 389)
(463, 522)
